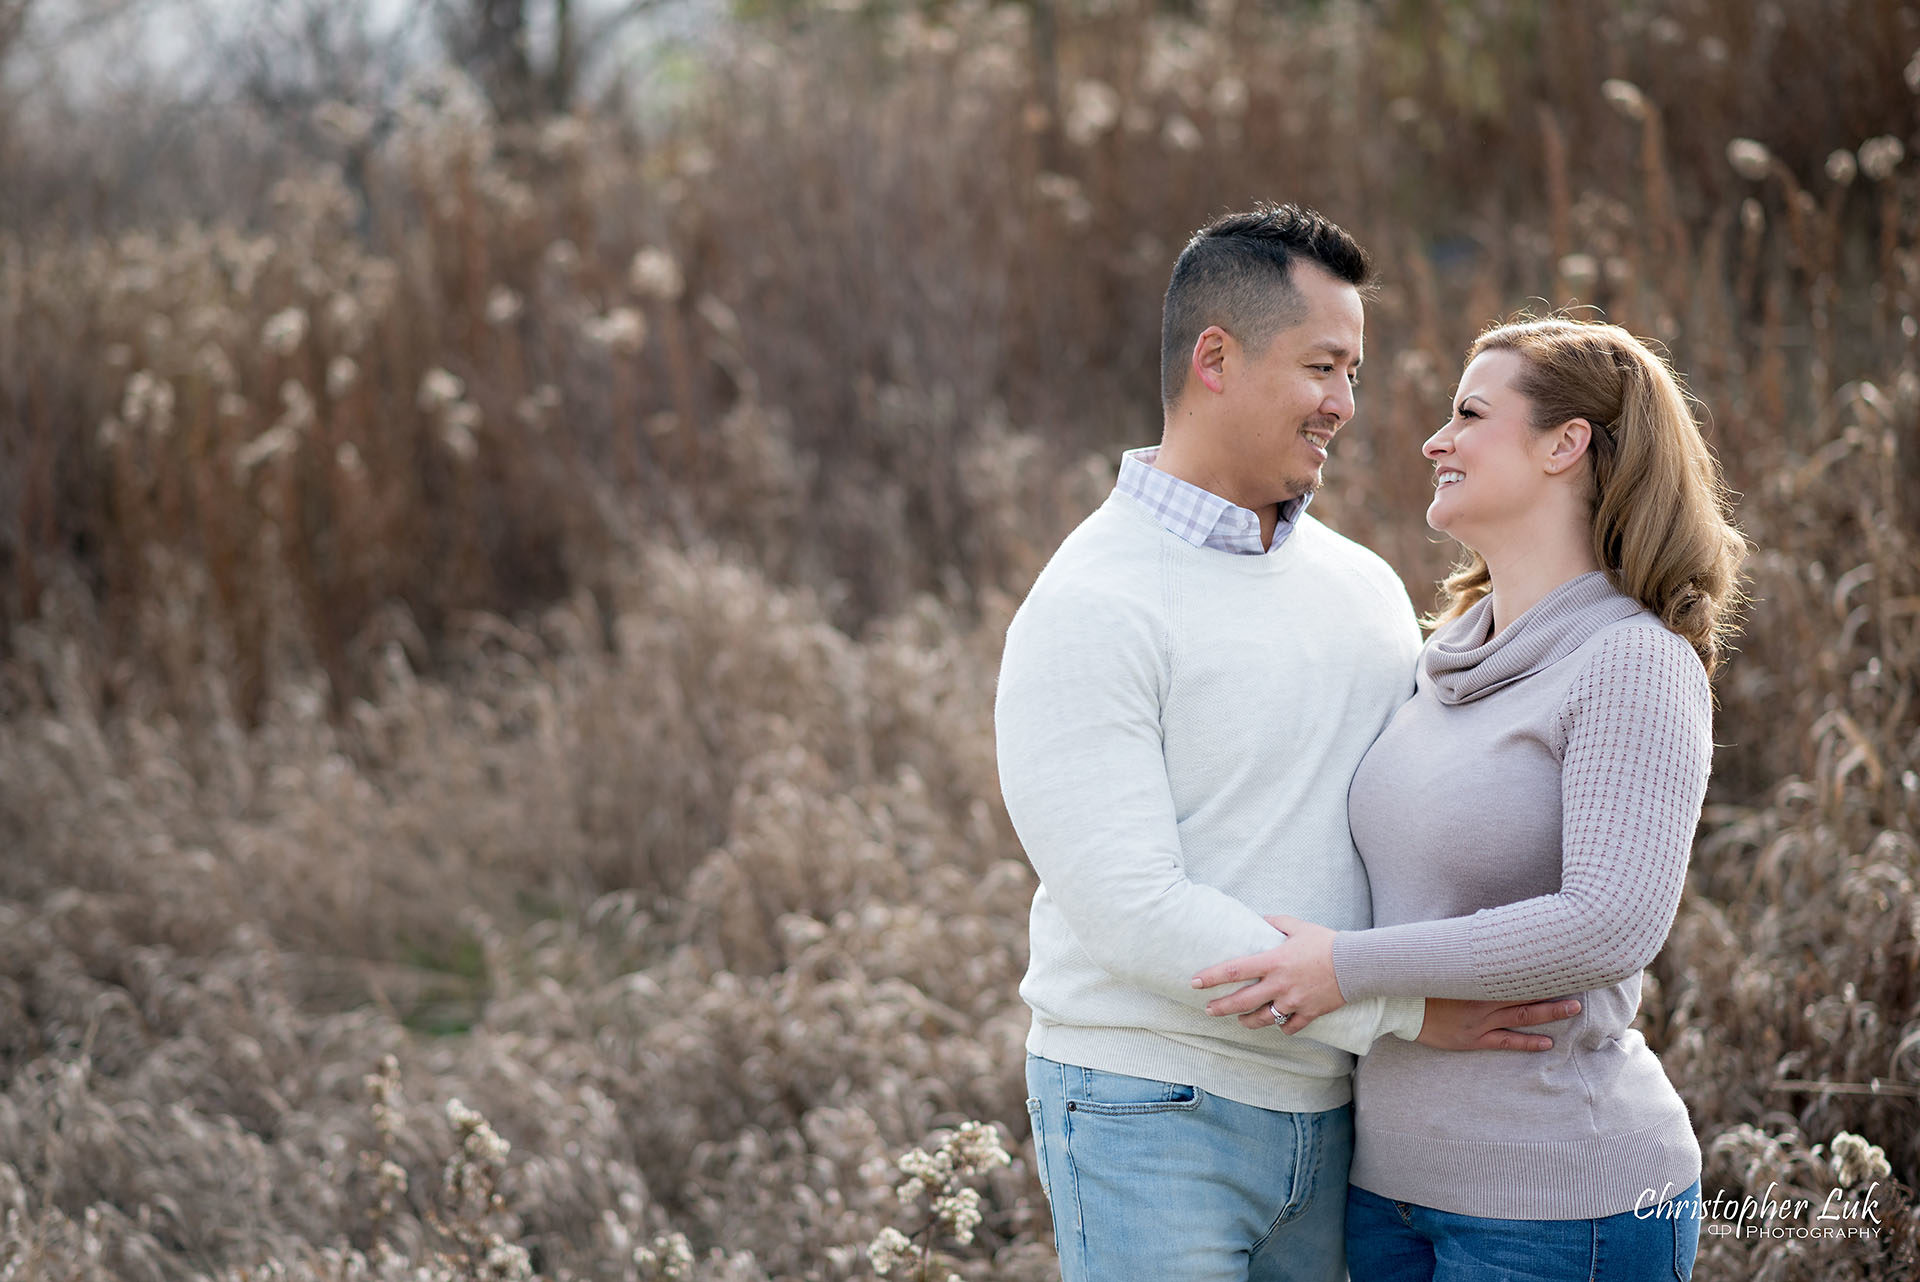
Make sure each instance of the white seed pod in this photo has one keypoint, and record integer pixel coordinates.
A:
(1880, 156)
(342, 374)
(439, 389)
(654, 274)
(1625, 97)
(284, 331)
(1750, 159)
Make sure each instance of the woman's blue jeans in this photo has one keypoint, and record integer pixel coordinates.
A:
(1390, 1241)
(1161, 1182)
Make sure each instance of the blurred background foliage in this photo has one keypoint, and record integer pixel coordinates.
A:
(508, 512)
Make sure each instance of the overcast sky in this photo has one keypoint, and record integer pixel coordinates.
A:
(89, 46)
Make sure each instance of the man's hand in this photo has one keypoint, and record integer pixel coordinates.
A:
(1489, 1026)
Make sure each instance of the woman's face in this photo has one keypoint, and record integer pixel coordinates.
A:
(1489, 465)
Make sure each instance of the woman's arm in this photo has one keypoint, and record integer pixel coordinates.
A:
(1305, 961)
(1638, 725)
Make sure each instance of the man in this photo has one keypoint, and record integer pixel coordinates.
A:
(1184, 697)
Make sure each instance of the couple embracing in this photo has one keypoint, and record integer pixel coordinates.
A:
(1276, 832)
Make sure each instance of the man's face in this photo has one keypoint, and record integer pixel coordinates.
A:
(1293, 396)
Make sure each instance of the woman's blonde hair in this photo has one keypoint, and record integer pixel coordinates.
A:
(1662, 517)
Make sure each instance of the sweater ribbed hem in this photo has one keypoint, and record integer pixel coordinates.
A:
(1538, 1180)
(1139, 1053)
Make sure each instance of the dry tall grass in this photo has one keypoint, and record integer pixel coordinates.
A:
(526, 603)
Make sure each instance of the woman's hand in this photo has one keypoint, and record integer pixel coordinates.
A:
(1296, 976)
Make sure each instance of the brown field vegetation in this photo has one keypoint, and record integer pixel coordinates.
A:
(525, 602)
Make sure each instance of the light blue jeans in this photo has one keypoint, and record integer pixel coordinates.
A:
(1154, 1181)
(1391, 1241)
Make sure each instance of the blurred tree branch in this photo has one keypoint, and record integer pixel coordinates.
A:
(13, 25)
(295, 55)
(489, 38)
(492, 41)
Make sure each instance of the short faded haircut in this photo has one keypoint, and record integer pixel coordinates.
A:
(1237, 273)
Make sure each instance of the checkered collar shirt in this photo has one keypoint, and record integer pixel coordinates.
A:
(1199, 516)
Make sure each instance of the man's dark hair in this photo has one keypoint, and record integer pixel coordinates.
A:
(1237, 273)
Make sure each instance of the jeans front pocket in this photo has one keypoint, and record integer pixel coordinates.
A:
(1686, 1245)
(1684, 1211)
(1039, 1144)
(1092, 1090)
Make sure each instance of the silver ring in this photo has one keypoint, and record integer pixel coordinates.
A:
(1279, 1016)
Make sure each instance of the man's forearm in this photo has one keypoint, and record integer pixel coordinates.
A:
(1161, 945)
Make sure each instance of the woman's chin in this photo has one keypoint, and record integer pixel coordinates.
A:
(1442, 520)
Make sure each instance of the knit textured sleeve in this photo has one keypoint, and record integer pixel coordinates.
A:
(1638, 724)
(1083, 774)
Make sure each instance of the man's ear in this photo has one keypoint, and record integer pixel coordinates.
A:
(1209, 363)
(1568, 444)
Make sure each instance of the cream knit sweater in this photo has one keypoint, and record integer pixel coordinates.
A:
(1177, 728)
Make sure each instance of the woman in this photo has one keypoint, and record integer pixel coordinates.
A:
(1526, 818)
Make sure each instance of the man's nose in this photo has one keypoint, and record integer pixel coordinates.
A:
(1339, 402)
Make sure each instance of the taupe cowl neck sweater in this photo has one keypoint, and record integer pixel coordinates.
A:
(1525, 820)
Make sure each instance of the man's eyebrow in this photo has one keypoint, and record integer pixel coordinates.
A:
(1340, 354)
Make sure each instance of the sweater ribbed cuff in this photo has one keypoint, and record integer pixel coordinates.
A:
(1402, 961)
(1404, 1017)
